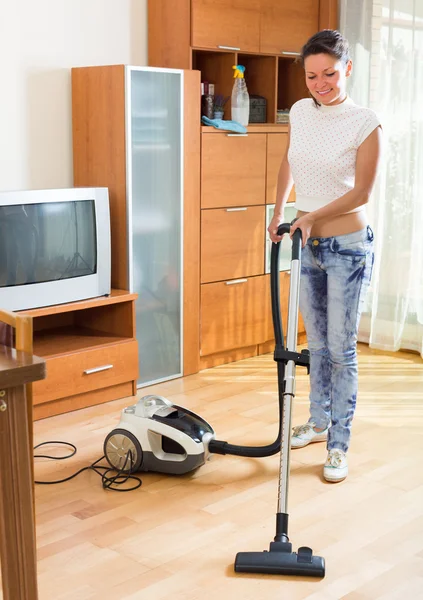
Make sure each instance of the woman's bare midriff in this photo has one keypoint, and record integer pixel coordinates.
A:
(340, 225)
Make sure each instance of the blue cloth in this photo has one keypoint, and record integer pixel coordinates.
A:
(227, 125)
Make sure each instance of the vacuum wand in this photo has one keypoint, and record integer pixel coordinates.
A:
(280, 559)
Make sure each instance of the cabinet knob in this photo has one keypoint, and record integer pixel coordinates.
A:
(237, 135)
(237, 209)
(290, 53)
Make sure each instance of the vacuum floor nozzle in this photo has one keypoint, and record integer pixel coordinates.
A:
(280, 560)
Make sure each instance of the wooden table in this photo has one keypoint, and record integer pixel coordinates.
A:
(17, 520)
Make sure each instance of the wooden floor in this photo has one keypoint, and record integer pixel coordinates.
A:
(176, 537)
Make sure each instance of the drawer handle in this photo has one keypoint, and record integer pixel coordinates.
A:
(98, 369)
(228, 48)
(237, 135)
(234, 281)
(291, 53)
(237, 209)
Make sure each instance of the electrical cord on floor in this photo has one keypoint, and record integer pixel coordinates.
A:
(107, 481)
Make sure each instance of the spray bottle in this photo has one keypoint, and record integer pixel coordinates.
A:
(240, 104)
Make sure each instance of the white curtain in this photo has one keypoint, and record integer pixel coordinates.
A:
(386, 40)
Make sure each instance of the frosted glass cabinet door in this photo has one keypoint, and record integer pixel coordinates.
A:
(154, 131)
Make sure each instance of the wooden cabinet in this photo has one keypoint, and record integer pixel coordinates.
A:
(233, 170)
(286, 26)
(226, 24)
(233, 314)
(90, 350)
(237, 314)
(263, 35)
(232, 242)
(236, 317)
(136, 131)
(276, 148)
(238, 171)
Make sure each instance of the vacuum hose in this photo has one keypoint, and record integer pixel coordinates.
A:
(219, 447)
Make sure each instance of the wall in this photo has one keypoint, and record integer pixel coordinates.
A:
(40, 40)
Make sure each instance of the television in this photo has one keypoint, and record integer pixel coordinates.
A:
(54, 247)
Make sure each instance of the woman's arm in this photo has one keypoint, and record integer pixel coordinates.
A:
(283, 189)
(368, 155)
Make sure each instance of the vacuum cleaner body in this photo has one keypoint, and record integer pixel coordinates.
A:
(160, 437)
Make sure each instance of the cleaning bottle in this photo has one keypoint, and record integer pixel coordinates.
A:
(240, 106)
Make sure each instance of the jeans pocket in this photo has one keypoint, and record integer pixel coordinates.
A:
(351, 250)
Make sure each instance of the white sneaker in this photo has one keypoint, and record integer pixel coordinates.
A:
(336, 466)
(304, 434)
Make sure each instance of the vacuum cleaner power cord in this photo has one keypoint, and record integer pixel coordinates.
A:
(109, 482)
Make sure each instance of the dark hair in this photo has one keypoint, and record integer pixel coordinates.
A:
(327, 41)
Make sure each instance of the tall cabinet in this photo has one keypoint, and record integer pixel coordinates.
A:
(239, 172)
(136, 131)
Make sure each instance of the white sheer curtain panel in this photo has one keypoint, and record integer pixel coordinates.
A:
(386, 40)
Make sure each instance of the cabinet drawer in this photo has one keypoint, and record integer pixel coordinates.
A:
(233, 314)
(276, 148)
(70, 374)
(284, 298)
(223, 23)
(232, 242)
(233, 170)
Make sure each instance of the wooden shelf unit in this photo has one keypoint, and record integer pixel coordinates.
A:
(265, 36)
(278, 79)
(90, 350)
(238, 173)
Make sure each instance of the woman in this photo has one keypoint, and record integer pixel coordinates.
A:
(332, 157)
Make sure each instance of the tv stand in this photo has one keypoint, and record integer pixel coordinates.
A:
(91, 353)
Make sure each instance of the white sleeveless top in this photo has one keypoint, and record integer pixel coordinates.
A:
(323, 149)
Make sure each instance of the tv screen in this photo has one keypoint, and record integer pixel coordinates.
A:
(47, 242)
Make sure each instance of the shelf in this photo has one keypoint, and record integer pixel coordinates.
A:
(279, 79)
(67, 340)
(253, 128)
(115, 297)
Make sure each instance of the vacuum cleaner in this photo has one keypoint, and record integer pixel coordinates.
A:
(156, 435)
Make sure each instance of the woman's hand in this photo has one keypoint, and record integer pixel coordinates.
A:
(304, 223)
(273, 228)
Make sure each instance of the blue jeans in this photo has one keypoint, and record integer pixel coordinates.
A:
(335, 276)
